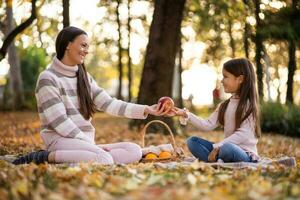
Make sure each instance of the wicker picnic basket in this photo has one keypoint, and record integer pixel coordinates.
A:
(177, 152)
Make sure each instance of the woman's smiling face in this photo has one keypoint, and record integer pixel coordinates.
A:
(78, 49)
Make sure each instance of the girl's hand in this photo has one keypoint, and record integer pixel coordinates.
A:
(213, 155)
(180, 112)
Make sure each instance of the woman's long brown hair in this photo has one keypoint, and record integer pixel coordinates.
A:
(248, 103)
(86, 104)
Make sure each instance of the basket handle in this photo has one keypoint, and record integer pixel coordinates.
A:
(161, 122)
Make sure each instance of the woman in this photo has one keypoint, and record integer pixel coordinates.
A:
(67, 97)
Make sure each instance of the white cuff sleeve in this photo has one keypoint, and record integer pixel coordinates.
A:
(184, 120)
(216, 145)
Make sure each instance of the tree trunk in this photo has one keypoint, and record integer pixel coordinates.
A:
(266, 58)
(180, 102)
(292, 66)
(232, 43)
(246, 41)
(128, 54)
(120, 64)
(291, 72)
(66, 13)
(278, 88)
(15, 80)
(259, 50)
(246, 30)
(161, 51)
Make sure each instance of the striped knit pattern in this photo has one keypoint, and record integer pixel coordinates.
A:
(58, 106)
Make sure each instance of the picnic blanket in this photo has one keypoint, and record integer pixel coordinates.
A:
(264, 163)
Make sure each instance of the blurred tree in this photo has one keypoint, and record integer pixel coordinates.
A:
(33, 61)
(247, 33)
(217, 24)
(284, 25)
(292, 65)
(160, 56)
(179, 71)
(103, 66)
(108, 47)
(15, 98)
(120, 51)
(46, 27)
(258, 49)
(113, 15)
(128, 52)
(10, 37)
(66, 15)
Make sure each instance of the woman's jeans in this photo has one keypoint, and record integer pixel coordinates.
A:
(229, 152)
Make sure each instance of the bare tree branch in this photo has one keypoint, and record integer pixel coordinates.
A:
(11, 36)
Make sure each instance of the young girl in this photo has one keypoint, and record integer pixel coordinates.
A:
(239, 115)
(67, 97)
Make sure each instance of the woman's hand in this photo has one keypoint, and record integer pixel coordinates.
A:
(175, 112)
(154, 110)
(213, 155)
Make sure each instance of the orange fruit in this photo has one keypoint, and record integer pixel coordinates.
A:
(150, 156)
(165, 154)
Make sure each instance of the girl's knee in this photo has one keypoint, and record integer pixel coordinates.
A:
(191, 140)
(226, 148)
(226, 151)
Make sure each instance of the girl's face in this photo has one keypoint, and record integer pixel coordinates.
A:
(78, 49)
(230, 82)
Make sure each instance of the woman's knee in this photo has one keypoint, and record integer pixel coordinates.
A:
(135, 150)
(104, 158)
(126, 153)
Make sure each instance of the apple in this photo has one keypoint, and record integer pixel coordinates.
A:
(166, 103)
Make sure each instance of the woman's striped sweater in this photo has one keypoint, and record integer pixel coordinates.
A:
(58, 107)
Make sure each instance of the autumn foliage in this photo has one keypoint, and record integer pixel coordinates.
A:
(19, 133)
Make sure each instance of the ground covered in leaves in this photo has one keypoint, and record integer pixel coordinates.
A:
(19, 133)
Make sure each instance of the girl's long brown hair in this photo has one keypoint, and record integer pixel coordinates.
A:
(86, 104)
(248, 103)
